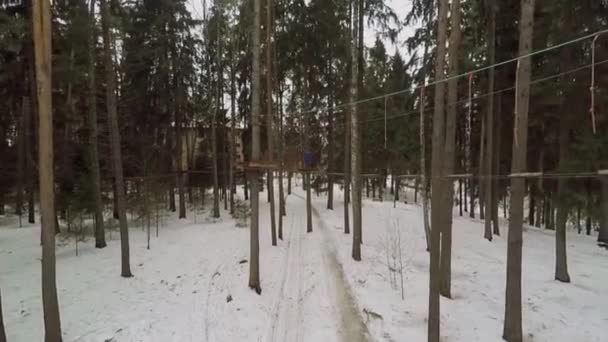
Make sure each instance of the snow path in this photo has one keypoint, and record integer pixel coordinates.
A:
(315, 302)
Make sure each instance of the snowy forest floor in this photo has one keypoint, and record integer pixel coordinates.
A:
(192, 284)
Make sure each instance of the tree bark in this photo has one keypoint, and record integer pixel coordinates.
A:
(330, 134)
(354, 136)
(445, 278)
(489, 159)
(512, 331)
(41, 15)
(115, 141)
(437, 173)
(347, 128)
(561, 259)
(256, 120)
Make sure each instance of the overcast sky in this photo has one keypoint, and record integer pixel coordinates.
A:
(401, 7)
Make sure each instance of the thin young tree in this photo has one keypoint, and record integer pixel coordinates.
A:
(269, 119)
(41, 16)
(436, 174)
(562, 200)
(347, 127)
(216, 114)
(121, 203)
(512, 331)
(254, 248)
(449, 152)
(2, 332)
(93, 153)
(355, 152)
(490, 198)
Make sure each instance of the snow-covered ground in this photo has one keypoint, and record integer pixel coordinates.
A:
(192, 284)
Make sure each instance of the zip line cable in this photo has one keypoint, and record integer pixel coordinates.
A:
(465, 74)
(480, 96)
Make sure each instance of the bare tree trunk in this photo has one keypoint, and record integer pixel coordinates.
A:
(354, 135)
(43, 60)
(218, 102)
(231, 146)
(2, 332)
(563, 208)
(100, 240)
(513, 316)
(481, 168)
(256, 120)
(330, 134)
(437, 173)
(115, 141)
(176, 108)
(497, 149)
(269, 119)
(20, 161)
(425, 189)
(445, 278)
(602, 237)
(281, 165)
(29, 143)
(489, 158)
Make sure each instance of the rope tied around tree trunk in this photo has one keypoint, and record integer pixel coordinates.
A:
(592, 88)
(516, 116)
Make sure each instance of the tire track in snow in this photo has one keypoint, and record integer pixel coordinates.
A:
(287, 316)
(352, 327)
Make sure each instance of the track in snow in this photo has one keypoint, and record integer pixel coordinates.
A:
(315, 301)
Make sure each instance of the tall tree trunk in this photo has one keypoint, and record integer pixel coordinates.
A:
(330, 133)
(100, 240)
(512, 331)
(254, 265)
(281, 165)
(449, 158)
(602, 237)
(176, 108)
(354, 135)
(115, 140)
(30, 141)
(347, 127)
(497, 149)
(482, 162)
(437, 173)
(563, 208)
(20, 161)
(472, 198)
(218, 110)
(425, 188)
(43, 57)
(2, 332)
(269, 119)
(532, 204)
(231, 145)
(489, 159)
